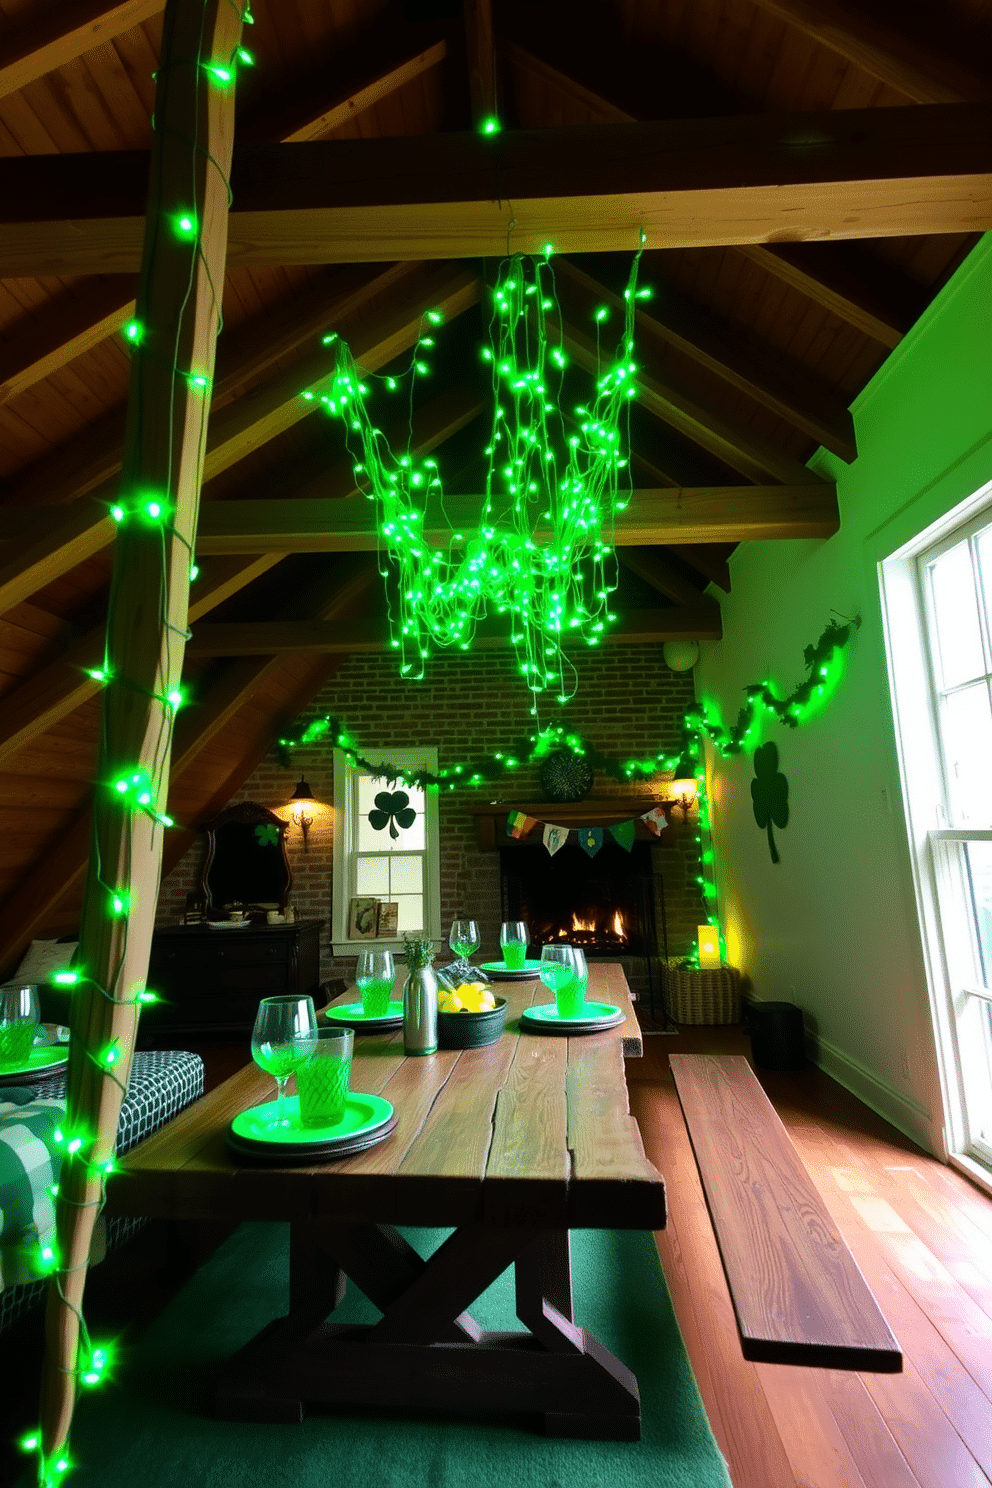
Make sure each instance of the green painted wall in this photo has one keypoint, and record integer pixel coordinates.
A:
(833, 926)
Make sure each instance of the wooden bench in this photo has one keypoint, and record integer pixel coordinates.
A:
(798, 1294)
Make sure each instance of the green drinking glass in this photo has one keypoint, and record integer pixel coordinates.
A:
(513, 937)
(322, 1082)
(20, 1019)
(374, 976)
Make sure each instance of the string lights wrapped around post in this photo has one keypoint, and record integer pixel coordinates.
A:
(541, 553)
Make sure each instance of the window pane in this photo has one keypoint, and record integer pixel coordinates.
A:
(966, 728)
(411, 912)
(979, 859)
(406, 875)
(408, 839)
(372, 876)
(955, 605)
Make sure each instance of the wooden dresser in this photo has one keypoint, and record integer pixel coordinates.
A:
(212, 981)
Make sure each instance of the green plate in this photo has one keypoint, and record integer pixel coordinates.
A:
(592, 1012)
(351, 1013)
(38, 1059)
(529, 969)
(362, 1114)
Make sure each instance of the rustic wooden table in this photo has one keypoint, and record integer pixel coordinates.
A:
(512, 1145)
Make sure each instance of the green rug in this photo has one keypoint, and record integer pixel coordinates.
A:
(152, 1426)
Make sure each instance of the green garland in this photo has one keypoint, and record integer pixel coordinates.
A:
(685, 761)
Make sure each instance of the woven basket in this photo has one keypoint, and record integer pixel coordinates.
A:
(711, 996)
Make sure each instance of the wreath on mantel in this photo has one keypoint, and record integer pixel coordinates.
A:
(566, 776)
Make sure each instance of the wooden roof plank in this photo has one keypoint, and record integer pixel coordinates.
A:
(51, 548)
(53, 37)
(668, 515)
(64, 684)
(771, 379)
(861, 36)
(69, 327)
(850, 173)
(655, 568)
(480, 56)
(744, 451)
(700, 621)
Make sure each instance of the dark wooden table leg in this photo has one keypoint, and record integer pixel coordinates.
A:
(317, 1283)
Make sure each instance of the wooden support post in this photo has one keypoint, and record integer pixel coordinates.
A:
(182, 273)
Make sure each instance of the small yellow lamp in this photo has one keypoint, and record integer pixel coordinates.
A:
(709, 947)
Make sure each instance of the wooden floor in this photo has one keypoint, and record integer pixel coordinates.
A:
(922, 1235)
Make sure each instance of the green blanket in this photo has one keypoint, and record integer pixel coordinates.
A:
(152, 1426)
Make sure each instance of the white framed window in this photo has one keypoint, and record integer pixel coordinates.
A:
(396, 863)
(937, 603)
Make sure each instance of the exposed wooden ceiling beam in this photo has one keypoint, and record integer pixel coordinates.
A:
(62, 686)
(680, 515)
(40, 549)
(744, 451)
(93, 457)
(879, 300)
(862, 36)
(771, 379)
(657, 569)
(433, 424)
(50, 548)
(54, 35)
(480, 56)
(344, 637)
(361, 76)
(709, 559)
(70, 325)
(691, 183)
(873, 297)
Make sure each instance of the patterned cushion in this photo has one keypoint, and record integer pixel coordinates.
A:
(162, 1082)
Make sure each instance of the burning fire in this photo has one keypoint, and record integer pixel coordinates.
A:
(588, 930)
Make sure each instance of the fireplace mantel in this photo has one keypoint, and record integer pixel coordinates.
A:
(594, 811)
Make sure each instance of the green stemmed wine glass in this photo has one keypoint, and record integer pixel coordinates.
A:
(464, 938)
(282, 1042)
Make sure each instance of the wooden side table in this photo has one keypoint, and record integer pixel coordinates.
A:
(695, 995)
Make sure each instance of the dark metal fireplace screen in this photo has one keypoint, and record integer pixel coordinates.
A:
(606, 904)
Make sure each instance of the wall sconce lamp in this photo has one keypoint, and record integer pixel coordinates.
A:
(298, 807)
(685, 794)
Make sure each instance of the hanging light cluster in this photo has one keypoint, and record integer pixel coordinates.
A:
(541, 552)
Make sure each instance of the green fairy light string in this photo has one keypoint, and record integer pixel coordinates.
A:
(541, 552)
(684, 763)
(86, 1164)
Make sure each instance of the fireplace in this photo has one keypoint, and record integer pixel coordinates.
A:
(605, 904)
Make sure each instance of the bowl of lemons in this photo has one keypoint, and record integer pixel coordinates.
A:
(469, 1016)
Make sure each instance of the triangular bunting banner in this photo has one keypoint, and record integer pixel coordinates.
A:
(655, 820)
(555, 837)
(518, 824)
(590, 839)
(623, 832)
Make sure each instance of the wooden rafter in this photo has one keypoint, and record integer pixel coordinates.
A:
(67, 328)
(57, 34)
(861, 36)
(91, 459)
(881, 303)
(480, 56)
(274, 637)
(671, 515)
(62, 686)
(709, 559)
(775, 381)
(657, 569)
(753, 457)
(852, 173)
(50, 547)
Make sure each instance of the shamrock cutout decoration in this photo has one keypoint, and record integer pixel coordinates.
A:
(268, 836)
(769, 793)
(392, 809)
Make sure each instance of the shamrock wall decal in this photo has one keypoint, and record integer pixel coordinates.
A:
(769, 793)
(392, 809)
(268, 836)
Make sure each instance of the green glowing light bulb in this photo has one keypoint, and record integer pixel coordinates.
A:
(134, 332)
(185, 225)
(490, 125)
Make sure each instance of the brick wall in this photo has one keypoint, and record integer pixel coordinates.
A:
(628, 704)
